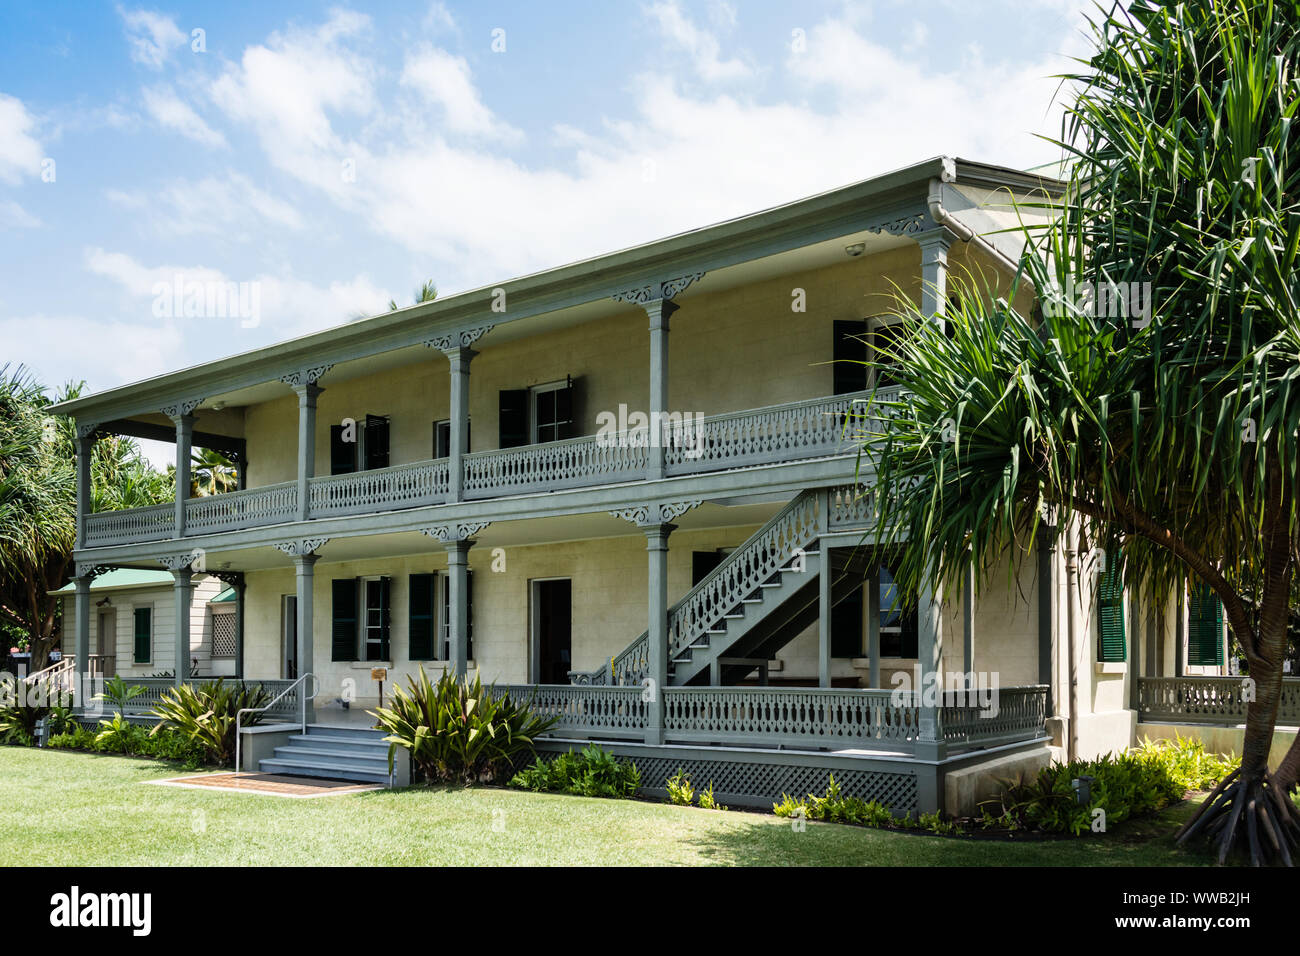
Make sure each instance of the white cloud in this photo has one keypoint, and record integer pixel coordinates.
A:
(59, 348)
(439, 19)
(287, 90)
(171, 112)
(700, 45)
(289, 306)
(153, 37)
(231, 206)
(20, 153)
(14, 216)
(444, 80)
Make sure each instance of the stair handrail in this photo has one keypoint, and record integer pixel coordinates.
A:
(67, 662)
(608, 673)
(302, 699)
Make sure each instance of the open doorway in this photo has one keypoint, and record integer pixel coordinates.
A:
(552, 626)
(289, 632)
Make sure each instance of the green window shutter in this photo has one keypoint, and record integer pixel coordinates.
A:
(1112, 648)
(143, 636)
(343, 630)
(1205, 628)
(420, 616)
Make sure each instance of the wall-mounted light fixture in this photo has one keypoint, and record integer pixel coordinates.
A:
(856, 249)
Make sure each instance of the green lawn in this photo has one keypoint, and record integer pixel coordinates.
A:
(80, 809)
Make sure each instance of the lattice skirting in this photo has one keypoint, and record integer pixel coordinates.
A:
(743, 778)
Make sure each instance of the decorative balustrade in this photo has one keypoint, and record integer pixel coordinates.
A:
(803, 717)
(1209, 700)
(269, 504)
(812, 718)
(797, 431)
(761, 436)
(552, 466)
(586, 711)
(131, 524)
(383, 489)
(1007, 713)
(156, 687)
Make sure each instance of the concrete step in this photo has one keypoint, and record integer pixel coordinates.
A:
(339, 743)
(334, 758)
(322, 770)
(344, 730)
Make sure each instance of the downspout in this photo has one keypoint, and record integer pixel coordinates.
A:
(1072, 588)
(965, 233)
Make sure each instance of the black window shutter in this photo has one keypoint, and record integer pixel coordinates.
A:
(376, 442)
(849, 367)
(143, 635)
(385, 617)
(420, 616)
(343, 454)
(441, 439)
(343, 630)
(512, 409)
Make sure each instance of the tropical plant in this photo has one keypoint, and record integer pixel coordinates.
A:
(206, 714)
(426, 293)
(118, 693)
(457, 729)
(211, 473)
(708, 801)
(590, 772)
(680, 789)
(119, 735)
(1168, 425)
(38, 502)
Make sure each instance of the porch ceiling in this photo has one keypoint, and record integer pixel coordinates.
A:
(501, 534)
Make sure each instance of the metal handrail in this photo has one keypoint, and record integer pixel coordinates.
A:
(304, 697)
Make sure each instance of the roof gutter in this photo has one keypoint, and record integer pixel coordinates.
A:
(965, 233)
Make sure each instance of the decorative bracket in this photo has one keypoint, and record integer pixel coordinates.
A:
(91, 571)
(666, 289)
(900, 226)
(178, 410)
(462, 339)
(181, 561)
(462, 531)
(301, 547)
(306, 376)
(233, 578)
(662, 512)
(86, 429)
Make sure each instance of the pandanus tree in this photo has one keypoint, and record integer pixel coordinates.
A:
(1149, 404)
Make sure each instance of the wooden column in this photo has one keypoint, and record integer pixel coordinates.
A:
(85, 453)
(657, 619)
(184, 437)
(458, 604)
(659, 311)
(81, 675)
(182, 593)
(458, 438)
(304, 572)
(873, 627)
(307, 393)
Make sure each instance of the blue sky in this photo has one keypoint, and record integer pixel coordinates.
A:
(338, 156)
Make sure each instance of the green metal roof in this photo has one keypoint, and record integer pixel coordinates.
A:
(226, 596)
(121, 578)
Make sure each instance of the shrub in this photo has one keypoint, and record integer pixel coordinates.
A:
(591, 772)
(1187, 762)
(708, 801)
(206, 715)
(119, 736)
(680, 789)
(1123, 786)
(78, 738)
(457, 729)
(835, 807)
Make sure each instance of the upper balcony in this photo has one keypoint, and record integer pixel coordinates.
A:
(777, 434)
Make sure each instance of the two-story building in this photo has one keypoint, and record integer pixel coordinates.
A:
(632, 482)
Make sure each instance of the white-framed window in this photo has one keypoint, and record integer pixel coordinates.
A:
(550, 411)
(374, 618)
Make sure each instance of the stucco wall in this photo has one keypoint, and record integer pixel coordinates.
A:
(772, 355)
